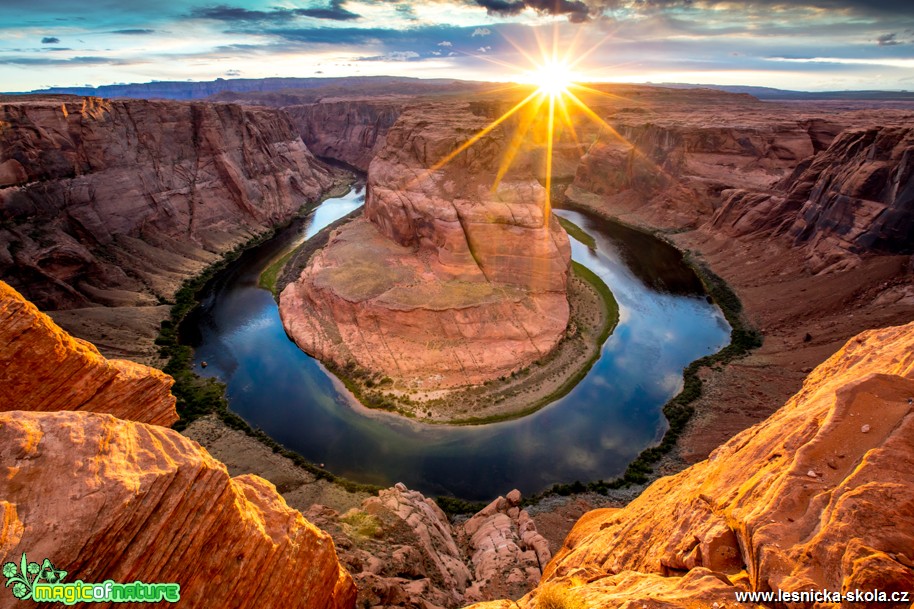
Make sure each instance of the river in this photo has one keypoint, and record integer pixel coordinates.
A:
(591, 433)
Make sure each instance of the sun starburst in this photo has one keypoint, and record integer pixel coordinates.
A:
(547, 111)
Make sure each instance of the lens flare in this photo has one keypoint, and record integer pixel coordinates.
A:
(552, 78)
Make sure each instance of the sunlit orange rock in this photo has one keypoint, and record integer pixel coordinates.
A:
(104, 498)
(44, 368)
(445, 281)
(819, 496)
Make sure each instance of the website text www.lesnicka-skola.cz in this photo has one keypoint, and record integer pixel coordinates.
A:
(824, 596)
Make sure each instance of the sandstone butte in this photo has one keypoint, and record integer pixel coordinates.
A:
(444, 282)
(44, 368)
(106, 498)
(819, 496)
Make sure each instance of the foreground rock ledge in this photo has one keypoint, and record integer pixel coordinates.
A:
(110, 499)
(44, 368)
(819, 496)
(445, 282)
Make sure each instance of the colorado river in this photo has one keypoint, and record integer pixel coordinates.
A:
(592, 433)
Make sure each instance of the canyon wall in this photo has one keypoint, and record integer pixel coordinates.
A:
(347, 130)
(447, 281)
(44, 368)
(817, 497)
(115, 203)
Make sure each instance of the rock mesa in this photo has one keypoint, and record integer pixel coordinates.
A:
(445, 281)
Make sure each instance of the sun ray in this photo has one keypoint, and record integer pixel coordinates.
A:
(517, 140)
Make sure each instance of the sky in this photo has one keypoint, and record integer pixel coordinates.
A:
(809, 45)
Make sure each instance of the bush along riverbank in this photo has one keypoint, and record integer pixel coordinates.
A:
(198, 396)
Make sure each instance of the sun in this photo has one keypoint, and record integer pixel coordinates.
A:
(552, 78)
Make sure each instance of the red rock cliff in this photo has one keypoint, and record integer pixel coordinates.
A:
(116, 202)
(818, 496)
(44, 368)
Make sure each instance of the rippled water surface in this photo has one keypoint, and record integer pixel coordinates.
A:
(591, 433)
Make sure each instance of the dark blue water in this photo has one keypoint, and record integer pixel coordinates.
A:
(592, 433)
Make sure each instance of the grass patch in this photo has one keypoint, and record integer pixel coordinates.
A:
(270, 275)
(577, 232)
(361, 525)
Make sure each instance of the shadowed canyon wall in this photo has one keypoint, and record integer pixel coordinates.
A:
(114, 203)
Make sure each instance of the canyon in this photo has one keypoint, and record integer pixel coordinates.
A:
(798, 451)
(444, 282)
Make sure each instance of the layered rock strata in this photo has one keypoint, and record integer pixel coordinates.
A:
(445, 281)
(44, 368)
(855, 197)
(404, 552)
(114, 203)
(817, 497)
(349, 130)
(104, 498)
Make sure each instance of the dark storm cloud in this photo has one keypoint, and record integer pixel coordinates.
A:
(50, 40)
(223, 12)
(134, 32)
(576, 11)
(887, 40)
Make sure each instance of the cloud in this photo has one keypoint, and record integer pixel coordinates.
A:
(576, 10)
(134, 32)
(48, 61)
(445, 43)
(233, 72)
(50, 40)
(887, 40)
(484, 49)
(235, 14)
(481, 31)
(393, 56)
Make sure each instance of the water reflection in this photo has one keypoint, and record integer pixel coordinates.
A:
(591, 433)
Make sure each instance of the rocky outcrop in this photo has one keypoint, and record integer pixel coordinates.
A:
(115, 203)
(104, 498)
(44, 368)
(348, 130)
(817, 497)
(445, 282)
(404, 552)
(853, 198)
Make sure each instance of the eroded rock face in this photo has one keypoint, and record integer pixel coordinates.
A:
(44, 368)
(819, 496)
(352, 131)
(445, 282)
(114, 203)
(110, 499)
(403, 551)
(853, 198)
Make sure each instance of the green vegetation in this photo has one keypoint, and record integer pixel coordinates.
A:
(270, 275)
(361, 525)
(454, 506)
(577, 232)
